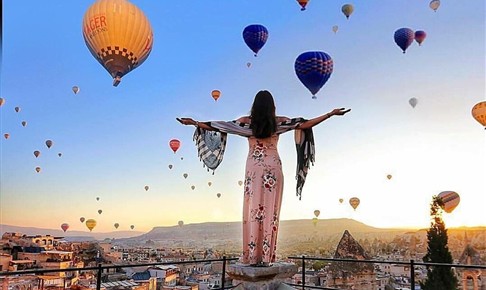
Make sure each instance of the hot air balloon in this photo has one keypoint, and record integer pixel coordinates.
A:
(146, 187)
(303, 3)
(24, 123)
(341, 200)
(313, 68)
(132, 227)
(218, 195)
(82, 219)
(248, 64)
(116, 225)
(17, 109)
(434, 5)
(174, 144)
(479, 113)
(75, 89)
(36, 153)
(193, 187)
(2, 101)
(6, 135)
(413, 102)
(209, 183)
(354, 202)
(48, 143)
(389, 176)
(450, 200)
(317, 213)
(97, 198)
(185, 175)
(404, 37)
(170, 166)
(59, 154)
(215, 94)
(90, 224)
(100, 211)
(240, 182)
(180, 223)
(255, 36)
(347, 10)
(420, 36)
(182, 158)
(38, 169)
(64, 227)
(118, 35)
(335, 28)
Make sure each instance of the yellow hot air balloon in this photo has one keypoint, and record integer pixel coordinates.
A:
(215, 94)
(479, 113)
(347, 9)
(2, 101)
(118, 35)
(354, 202)
(90, 224)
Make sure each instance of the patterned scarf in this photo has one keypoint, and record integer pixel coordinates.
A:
(212, 144)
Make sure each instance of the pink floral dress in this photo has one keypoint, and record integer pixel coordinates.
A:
(262, 201)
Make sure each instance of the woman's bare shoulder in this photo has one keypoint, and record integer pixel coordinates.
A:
(244, 119)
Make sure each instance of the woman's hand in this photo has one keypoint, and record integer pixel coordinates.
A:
(339, 112)
(186, 121)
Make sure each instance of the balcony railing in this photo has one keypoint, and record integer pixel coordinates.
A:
(303, 259)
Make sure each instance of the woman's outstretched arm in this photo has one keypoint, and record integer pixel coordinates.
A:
(317, 120)
(190, 121)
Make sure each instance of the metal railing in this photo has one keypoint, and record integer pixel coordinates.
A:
(411, 264)
(99, 269)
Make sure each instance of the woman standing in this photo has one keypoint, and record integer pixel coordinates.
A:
(263, 185)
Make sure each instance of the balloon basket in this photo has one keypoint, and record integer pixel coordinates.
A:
(116, 81)
(314, 97)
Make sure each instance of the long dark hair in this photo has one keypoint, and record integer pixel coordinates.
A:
(263, 119)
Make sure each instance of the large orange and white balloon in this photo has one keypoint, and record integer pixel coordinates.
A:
(479, 113)
(118, 35)
(450, 200)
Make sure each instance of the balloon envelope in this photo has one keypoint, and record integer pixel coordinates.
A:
(354, 202)
(185, 175)
(479, 113)
(404, 37)
(116, 225)
(420, 36)
(313, 68)
(347, 10)
(341, 200)
(75, 89)
(314, 221)
(2, 101)
(180, 223)
(389, 176)
(215, 94)
(90, 224)
(6, 135)
(434, 4)
(38, 169)
(174, 144)
(218, 195)
(36, 153)
(302, 4)
(82, 219)
(450, 200)
(49, 143)
(118, 35)
(335, 28)
(24, 123)
(240, 183)
(64, 227)
(193, 187)
(413, 102)
(146, 187)
(317, 213)
(100, 211)
(255, 36)
(132, 227)
(17, 109)
(209, 183)
(170, 166)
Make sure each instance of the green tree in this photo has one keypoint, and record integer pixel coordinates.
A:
(438, 277)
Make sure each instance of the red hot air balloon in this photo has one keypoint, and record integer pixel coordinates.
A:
(302, 3)
(174, 144)
(64, 227)
(420, 36)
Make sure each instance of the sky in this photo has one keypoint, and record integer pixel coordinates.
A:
(114, 140)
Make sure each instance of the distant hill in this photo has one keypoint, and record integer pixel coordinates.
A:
(69, 235)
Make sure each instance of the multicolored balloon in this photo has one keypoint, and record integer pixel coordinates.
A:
(118, 35)
(479, 113)
(91, 224)
(434, 5)
(420, 36)
(354, 202)
(313, 68)
(174, 144)
(347, 10)
(404, 37)
(255, 36)
(302, 4)
(450, 200)
(64, 227)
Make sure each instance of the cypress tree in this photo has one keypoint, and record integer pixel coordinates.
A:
(442, 278)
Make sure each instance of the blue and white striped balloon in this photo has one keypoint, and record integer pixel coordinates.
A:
(404, 37)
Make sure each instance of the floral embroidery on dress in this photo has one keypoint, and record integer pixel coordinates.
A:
(248, 190)
(258, 214)
(275, 223)
(251, 249)
(269, 180)
(266, 246)
(259, 153)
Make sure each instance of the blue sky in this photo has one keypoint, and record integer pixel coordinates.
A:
(114, 140)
